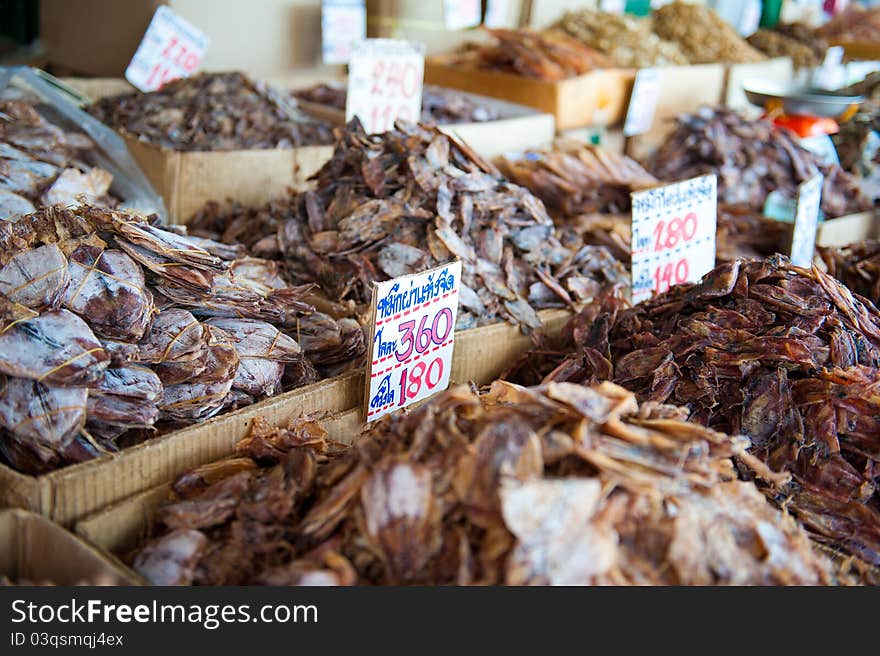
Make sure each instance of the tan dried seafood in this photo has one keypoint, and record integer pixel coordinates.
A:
(561, 484)
(703, 35)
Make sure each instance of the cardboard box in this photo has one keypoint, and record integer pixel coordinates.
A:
(269, 37)
(66, 494)
(845, 230)
(598, 98)
(481, 355)
(865, 50)
(683, 89)
(34, 549)
(778, 70)
(518, 127)
(187, 180)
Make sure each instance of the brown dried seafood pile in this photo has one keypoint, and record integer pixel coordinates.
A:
(439, 105)
(804, 34)
(212, 111)
(776, 44)
(99, 338)
(745, 233)
(549, 55)
(784, 355)
(855, 23)
(628, 41)
(41, 164)
(560, 484)
(751, 158)
(703, 35)
(857, 266)
(412, 198)
(577, 178)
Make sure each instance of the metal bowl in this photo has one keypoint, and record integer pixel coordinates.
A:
(802, 100)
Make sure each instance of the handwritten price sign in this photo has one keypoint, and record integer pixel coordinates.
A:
(673, 235)
(806, 219)
(384, 83)
(343, 23)
(171, 48)
(412, 338)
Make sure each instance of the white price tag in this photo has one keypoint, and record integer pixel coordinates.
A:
(673, 235)
(412, 337)
(461, 14)
(642, 102)
(806, 219)
(343, 23)
(823, 146)
(384, 83)
(612, 6)
(171, 48)
(498, 14)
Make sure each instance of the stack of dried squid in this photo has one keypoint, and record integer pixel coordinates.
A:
(100, 340)
(412, 198)
(560, 484)
(212, 111)
(41, 164)
(751, 158)
(550, 55)
(784, 355)
(628, 41)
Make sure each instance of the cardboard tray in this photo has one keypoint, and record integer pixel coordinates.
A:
(68, 494)
(519, 127)
(35, 549)
(597, 98)
(187, 180)
(481, 355)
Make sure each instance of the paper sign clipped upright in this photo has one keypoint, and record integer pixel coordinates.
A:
(673, 235)
(343, 23)
(412, 337)
(384, 83)
(806, 220)
(171, 48)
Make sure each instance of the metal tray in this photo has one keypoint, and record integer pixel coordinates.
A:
(801, 100)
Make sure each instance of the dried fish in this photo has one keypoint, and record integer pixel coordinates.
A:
(775, 44)
(212, 111)
(751, 159)
(559, 484)
(857, 266)
(344, 235)
(36, 278)
(703, 35)
(785, 355)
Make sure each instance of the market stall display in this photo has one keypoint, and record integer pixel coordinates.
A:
(412, 198)
(751, 158)
(626, 40)
(209, 112)
(806, 35)
(776, 44)
(100, 342)
(559, 484)
(855, 23)
(857, 266)
(702, 35)
(786, 356)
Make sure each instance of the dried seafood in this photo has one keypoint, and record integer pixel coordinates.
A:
(440, 106)
(775, 44)
(109, 325)
(855, 23)
(41, 164)
(627, 41)
(857, 266)
(751, 158)
(576, 178)
(212, 111)
(745, 233)
(560, 484)
(703, 35)
(549, 55)
(409, 199)
(784, 355)
(805, 35)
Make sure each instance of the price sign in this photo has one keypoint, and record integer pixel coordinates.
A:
(823, 146)
(384, 83)
(461, 14)
(806, 218)
(612, 6)
(673, 235)
(412, 338)
(343, 23)
(642, 102)
(171, 48)
(830, 74)
(498, 14)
